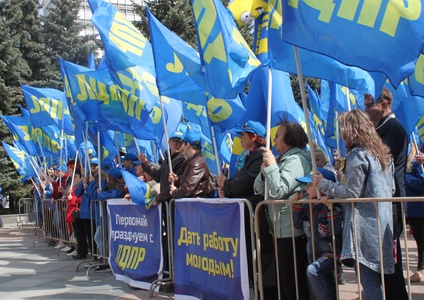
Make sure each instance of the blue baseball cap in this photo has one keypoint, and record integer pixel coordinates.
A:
(94, 161)
(327, 174)
(177, 134)
(114, 172)
(193, 138)
(131, 156)
(60, 168)
(252, 127)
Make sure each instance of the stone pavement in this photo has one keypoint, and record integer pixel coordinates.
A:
(28, 272)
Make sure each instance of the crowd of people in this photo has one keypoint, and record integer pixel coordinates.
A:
(375, 166)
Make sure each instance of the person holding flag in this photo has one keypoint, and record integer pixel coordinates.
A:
(280, 174)
(161, 175)
(195, 180)
(248, 165)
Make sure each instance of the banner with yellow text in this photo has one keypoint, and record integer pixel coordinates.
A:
(135, 244)
(210, 250)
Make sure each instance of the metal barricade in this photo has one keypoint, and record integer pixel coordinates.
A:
(168, 246)
(55, 227)
(99, 236)
(270, 261)
(28, 213)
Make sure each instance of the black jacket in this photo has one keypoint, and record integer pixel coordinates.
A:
(241, 184)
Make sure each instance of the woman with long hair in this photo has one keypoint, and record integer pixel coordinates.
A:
(368, 174)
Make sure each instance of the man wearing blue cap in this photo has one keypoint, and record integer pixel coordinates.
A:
(161, 175)
(195, 180)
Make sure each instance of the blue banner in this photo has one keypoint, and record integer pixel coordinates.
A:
(135, 243)
(210, 250)
(368, 34)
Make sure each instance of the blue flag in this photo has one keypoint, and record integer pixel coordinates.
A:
(47, 107)
(139, 190)
(128, 53)
(226, 57)
(416, 80)
(420, 128)
(21, 128)
(20, 161)
(172, 55)
(353, 33)
(271, 48)
(101, 100)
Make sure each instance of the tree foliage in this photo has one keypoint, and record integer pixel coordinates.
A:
(62, 39)
(30, 46)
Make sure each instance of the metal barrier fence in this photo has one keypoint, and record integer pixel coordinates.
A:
(55, 228)
(54, 225)
(260, 214)
(99, 236)
(28, 213)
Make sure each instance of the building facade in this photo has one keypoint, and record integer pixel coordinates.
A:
(126, 7)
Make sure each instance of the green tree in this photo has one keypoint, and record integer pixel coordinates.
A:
(25, 24)
(176, 15)
(62, 38)
(14, 70)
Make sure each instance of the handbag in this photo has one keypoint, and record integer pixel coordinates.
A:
(76, 212)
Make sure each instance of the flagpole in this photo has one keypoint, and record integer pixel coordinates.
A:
(417, 150)
(215, 149)
(99, 157)
(61, 157)
(166, 135)
(41, 150)
(305, 109)
(117, 148)
(136, 145)
(337, 132)
(87, 165)
(73, 171)
(268, 123)
(348, 99)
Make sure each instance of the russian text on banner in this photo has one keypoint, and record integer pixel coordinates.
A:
(210, 250)
(135, 244)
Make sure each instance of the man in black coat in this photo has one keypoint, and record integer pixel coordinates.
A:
(395, 137)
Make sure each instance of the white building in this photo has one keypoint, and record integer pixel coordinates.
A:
(124, 6)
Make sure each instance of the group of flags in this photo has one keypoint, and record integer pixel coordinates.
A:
(142, 88)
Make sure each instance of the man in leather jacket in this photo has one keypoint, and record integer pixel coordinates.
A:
(195, 179)
(161, 175)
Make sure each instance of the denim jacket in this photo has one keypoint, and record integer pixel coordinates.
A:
(282, 185)
(365, 179)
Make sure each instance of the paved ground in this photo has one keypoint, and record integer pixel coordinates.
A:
(28, 272)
